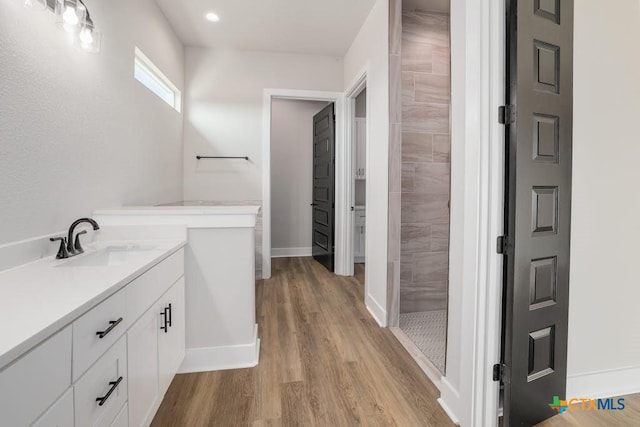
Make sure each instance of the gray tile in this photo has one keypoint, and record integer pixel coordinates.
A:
(406, 273)
(408, 177)
(432, 88)
(440, 230)
(393, 290)
(424, 208)
(417, 147)
(441, 60)
(394, 233)
(408, 87)
(439, 245)
(415, 299)
(395, 26)
(425, 118)
(416, 56)
(430, 267)
(416, 238)
(442, 148)
(432, 178)
(395, 89)
(423, 28)
(395, 158)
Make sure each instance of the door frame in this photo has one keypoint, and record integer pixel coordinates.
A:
(478, 50)
(360, 83)
(302, 95)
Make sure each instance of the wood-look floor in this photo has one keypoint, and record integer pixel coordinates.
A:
(630, 416)
(323, 362)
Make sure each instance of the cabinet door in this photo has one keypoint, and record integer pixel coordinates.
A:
(142, 340)
(171, 347)
(60, 414)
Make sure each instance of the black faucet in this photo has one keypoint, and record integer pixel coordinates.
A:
(68, 247)
(77, 248)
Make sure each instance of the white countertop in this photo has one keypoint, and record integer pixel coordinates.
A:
(42, 297)
(182, 210)
(196, 216)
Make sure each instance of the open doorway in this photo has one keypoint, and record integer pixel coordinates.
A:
(359, 200)
(293, 130)
(425, 182)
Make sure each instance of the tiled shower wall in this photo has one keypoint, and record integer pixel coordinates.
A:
(425, 162)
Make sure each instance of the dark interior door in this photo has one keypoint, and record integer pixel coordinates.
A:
(324, 186)
(539, 140)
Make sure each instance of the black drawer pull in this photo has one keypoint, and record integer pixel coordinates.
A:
(164, 315)
(170, 315)
(114, 385)
(112, 324)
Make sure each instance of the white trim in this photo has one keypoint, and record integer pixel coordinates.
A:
(468, 393)
(378, 313)
(290, 252)
(603, 384)
(151, 71)
(449, 412)
(423, 361)
(305, 95)
(222, 358)
(360, 83)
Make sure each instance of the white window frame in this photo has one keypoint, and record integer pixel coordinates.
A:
(150, 76)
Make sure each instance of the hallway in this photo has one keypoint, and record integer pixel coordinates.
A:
(323, 361)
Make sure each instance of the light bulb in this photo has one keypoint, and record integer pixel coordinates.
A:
(86, 37)
(70, 16)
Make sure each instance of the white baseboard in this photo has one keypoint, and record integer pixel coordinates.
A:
(603, 384)
(448, 411)
(449, 399)
(290, 252)
(376, 310)
(222, 358)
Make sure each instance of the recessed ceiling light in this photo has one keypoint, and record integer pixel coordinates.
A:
(211, 17)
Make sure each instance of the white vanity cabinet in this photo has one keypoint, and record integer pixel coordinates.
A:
(111, 366)
(156, 350)
(171, 335)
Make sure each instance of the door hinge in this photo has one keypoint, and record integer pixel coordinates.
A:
(507, 114)
(498, 372)
(501, 245)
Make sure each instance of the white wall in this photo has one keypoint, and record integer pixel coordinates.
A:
(370, 50)
(291, 174)
(604, 287)
(224, 95)
(77, 132)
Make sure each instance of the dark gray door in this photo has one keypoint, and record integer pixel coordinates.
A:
(323, 186)
(540, 78)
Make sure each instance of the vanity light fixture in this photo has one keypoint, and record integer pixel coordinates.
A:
(211, 17)
(75, 18)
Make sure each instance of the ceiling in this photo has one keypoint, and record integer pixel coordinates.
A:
(326, 27)
(438, 6)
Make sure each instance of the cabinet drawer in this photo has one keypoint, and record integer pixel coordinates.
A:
(60, 414)
(30, 385)
(106, 380)
(148, 288)
(360, 215)
(88, 345)
(122, 419)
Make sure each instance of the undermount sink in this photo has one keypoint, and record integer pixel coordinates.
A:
(110, 256)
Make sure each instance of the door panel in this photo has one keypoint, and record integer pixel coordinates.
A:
(324, 186)
(540, 79)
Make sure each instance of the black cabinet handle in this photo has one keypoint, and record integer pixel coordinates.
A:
(164, 326)
(313, 204)
(170, 315)
(114, 385)
(113, 324)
